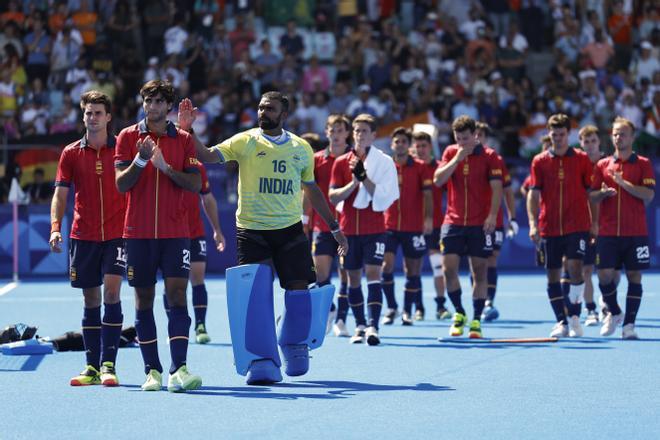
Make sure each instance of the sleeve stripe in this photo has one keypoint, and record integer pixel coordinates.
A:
(192, 170)
(217, 150)
(62, 183)
(309, 182)
(495, 178)
(122, 163)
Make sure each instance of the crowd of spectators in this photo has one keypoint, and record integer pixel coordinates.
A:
(393, 59)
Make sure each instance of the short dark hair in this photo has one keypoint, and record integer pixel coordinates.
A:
(338, 119)
(156, 86)
(314, 140)
(463, 123)
(278, 96)
(366, 118)
(402, 131)
(559, 120)
(422, 136)
(95, 97)
(483, 126)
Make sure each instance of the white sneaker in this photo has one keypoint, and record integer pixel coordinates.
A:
(574, 327)
(340, 330)
(610, 323)
(629, 332)
(389, 317)
(372, 336)
(592, 318)
(331, 318)
(358, 337)
(560, 330)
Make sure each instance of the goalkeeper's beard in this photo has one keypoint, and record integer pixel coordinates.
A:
(269, 124)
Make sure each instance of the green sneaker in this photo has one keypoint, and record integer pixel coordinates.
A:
(154, 381)
(88, 376)
(108, 375)
(201, 335)
(456, 328)
(475, 330)
(182, 381)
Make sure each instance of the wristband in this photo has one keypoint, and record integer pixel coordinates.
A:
(139, 162)
(55, 226)
(304, 219)
(334, 227)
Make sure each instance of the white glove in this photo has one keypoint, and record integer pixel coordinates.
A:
(513, 229)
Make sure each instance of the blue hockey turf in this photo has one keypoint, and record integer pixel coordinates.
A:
(412, 386)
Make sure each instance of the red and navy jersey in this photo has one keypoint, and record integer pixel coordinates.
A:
(527, 183)
(98, 212)
(155, 205)
(354, 221)
(563, 182)
(323, 162)
(438, 215)
(468, 188)
(623, 215)
(407, 213)
(195, 224)
(506, 182)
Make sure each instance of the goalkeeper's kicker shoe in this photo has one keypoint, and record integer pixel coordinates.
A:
(181, 381)
(153, 382)
(201, 336)
(108, 375)
(475, 330)
(457, 325)
(88, 376)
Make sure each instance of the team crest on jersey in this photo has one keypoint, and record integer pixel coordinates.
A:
(130, 273)
(648, 181)
(261, 154)
(561, 174)
(99, 167)
(193, 161)
(73, 273)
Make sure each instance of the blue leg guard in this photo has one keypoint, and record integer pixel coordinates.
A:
(252, 322)
(303, 325)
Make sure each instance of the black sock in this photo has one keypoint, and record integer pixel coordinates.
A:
(387, 282)
(440, 302)
(356, 301)
(609, 297)
(491, 276)
(478, 305)
(591, 306)
(374, 303)
(342, 303)
(556, 296)
(200, 301)
(91, 331)
(633, 300)
(455, 298)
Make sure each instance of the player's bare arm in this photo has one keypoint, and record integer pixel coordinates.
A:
(357, 168)
(127, 177)
(186, 116)
(442, 174)
(533, 197)
(600, 195)
(337, 195)
(210, 206)
(641, 192)
(57, 207)
(428, 211)
(315, 196)
(190, 181)
(495, 202)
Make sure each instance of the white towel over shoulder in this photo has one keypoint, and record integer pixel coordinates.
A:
(382, 172)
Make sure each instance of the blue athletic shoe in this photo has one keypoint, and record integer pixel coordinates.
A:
(489, 314)
(296, 358)
(263, 372)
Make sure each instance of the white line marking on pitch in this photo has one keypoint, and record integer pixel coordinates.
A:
(8, 288)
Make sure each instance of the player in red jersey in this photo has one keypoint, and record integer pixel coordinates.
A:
(560, 179)
(363, 186)
(406, 222)
(490, 313)
(623, 184)
(97, 250)
(422, 149)
(155, 164)
(324, 246)
(474, 193)
(527, 183)
(198, 250)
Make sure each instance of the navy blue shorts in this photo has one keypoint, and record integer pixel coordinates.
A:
(198, 249)
(364, 249)
(631, 252)
(433, 240)
(323, 243)
(590, 254)
(413, 244)
(89, 261)
(287, 248)
(465, 240)
(573, 246)
(145, 256)
(498, 239)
